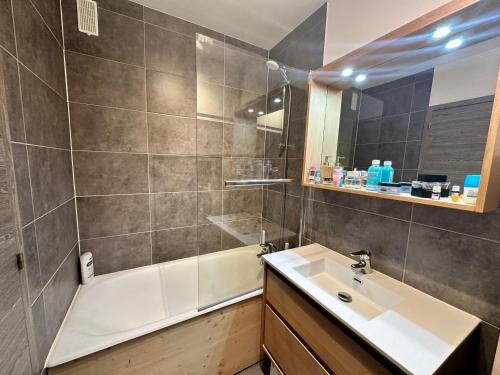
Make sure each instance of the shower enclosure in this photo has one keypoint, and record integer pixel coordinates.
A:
(241, 138)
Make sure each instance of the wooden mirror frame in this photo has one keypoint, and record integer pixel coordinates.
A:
(389, 50)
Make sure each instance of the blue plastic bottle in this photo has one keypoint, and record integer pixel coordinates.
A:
(374, 176)
(317, 176)
(387, 172)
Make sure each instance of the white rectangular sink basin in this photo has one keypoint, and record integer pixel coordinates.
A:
(368, 298)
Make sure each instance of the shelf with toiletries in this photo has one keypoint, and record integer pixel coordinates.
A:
(378, 181)
(430, 112)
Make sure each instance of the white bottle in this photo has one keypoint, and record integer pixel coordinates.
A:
(87, 267)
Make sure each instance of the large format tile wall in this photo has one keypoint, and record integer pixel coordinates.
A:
(156, 129)
(391, 124)
(32, 57)
(300, 51)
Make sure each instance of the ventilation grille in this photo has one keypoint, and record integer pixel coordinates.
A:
(87, 17)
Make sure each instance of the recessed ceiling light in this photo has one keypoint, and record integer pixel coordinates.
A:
(277, 100)
(360, 78)
(347, 72)
(260, 113)
(454, 43)
(441, 32)
(251, 110)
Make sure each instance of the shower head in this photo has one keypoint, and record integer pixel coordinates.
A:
(273, 65)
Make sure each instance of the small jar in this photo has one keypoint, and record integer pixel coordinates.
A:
(436, 192)
(455, 193)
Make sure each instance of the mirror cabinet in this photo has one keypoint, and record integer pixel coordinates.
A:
(425, 98)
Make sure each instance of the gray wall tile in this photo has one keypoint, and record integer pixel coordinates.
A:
(480, 225)
(112, 215)
(172, 173)
(51, 177)
(95, 81)
(7, 27)
(209, 100)
(243, 139)
(51, 13)
(210, 61)
(38, 49)
(8, 70)
(170, 94)
(111, 43)
(56, 235)
(209, 206)
(173, 210)
(440, 263)
(170, 52)
(108, 129)
(209, 239)
(45, 113)
(209, 173)
(178, 25)
(105, 173)
(59, 293)
(125, 7)
(119, 253)
(209, 138)
(171, 135)
(246, 72)
(23, 187)
(173, 244)
(242, 204)
(42, 344)
(245, 46)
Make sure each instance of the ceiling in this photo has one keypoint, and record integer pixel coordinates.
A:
(260, 22)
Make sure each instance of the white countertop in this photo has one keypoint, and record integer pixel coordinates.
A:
(418, 334)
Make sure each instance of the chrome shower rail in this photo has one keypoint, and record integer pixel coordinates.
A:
(266, 181)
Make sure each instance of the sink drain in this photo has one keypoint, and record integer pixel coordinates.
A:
(344, 297)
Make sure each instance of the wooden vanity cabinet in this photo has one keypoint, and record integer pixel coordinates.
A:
(300, 339)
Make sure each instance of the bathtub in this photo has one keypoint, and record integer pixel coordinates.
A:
(124, 305)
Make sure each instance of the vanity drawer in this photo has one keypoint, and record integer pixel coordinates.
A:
(327, 340)
(289, 353)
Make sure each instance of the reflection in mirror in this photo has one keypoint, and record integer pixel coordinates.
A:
(431, 118)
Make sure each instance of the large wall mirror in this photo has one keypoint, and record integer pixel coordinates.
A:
(430, 112)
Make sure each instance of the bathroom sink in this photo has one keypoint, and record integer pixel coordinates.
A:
(368, 298)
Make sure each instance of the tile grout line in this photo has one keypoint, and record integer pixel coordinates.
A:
(77, 222)
(43, 80)
(46, 24)
(27, 162)
(41, 146)
(47, 213)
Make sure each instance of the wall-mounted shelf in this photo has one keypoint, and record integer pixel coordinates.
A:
(446, 203)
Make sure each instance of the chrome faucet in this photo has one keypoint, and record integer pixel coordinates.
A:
(364, 263)
(267, 247)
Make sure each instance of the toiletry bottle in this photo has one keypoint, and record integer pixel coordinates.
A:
(327, 171)
(387, 172)
(311, 173)
(436, 192)
(374, 176)
(317, 176)
(87, 267)
(338, 173)
(455, 193)
(471, 188)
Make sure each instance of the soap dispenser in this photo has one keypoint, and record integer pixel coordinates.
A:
(327, 171)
